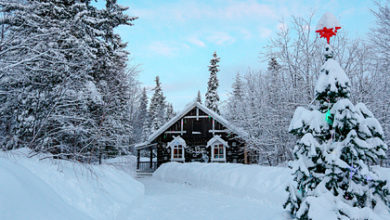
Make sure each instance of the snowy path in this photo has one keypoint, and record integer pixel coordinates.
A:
(171, 201)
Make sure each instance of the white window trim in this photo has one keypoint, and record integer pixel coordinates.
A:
(212, 153)
(214, 141)
(182, 153)
(177, 141)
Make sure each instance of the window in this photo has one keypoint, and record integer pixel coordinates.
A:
(219, 151)
(177, 152)
(177, 146)
(218, 148)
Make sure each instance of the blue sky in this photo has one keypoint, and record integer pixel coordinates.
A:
(175, 39)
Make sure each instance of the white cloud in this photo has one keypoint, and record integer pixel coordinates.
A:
(245, 34)
(226, 10)
(196, 41)
(163, 49)
(265, 32)
(247, 9)
(221, 38)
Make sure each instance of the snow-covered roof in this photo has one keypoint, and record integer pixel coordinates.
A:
(217, 139)
(177, 140)
(143, 145)
(188, 108)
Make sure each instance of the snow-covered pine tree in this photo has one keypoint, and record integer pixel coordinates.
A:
(157, 109)
(235, 105)
(212, 98)
(146, 129)
(112, 80)
(52, 68)
(170, 113)
(276, 113)
(45, 65)
(134, 99)
(199, 97)
(338, 141)
(380, 36)
(141, 117)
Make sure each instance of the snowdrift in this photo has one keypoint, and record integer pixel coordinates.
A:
(31, 188)
(252, 181)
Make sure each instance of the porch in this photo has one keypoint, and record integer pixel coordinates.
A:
(146, 158)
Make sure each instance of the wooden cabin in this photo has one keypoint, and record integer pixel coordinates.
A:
(197, 134)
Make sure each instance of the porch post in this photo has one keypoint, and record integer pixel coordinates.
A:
(151, 157)
(245, 155)
(138, 158)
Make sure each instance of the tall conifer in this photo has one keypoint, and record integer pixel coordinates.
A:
(212, 98)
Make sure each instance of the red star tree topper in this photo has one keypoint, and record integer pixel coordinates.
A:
(328, 26)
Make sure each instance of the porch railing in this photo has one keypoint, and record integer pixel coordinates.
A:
(146, 166)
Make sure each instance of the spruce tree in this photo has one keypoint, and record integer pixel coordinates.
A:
(141, 116)
(66, 67)
(112, 80)
(47, 64)
(235, 104)
(199, 97)
(274, 79)
(212, 98)
(157, 109)
(170, 113)
(337, 142)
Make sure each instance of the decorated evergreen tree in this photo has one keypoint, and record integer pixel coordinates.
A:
(212, 98)
(157, 109)
(338, 141)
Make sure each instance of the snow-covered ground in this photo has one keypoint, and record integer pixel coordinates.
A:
(257, 182)
(31, 188)
(51, 189)
(173, 201)
(214, 191)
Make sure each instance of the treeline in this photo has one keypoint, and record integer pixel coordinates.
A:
(263, 102)
(64, 84)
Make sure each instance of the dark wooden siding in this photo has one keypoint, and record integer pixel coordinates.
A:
(197, 142)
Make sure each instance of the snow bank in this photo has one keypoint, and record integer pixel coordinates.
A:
(25, 196)
(126, 163)
(54, 189)
(252, 181)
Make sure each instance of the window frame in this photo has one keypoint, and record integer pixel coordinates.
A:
(176, 147)
(177, 143)
(176, 154)
(213, 148)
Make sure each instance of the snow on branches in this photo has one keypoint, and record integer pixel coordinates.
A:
(332, 171)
